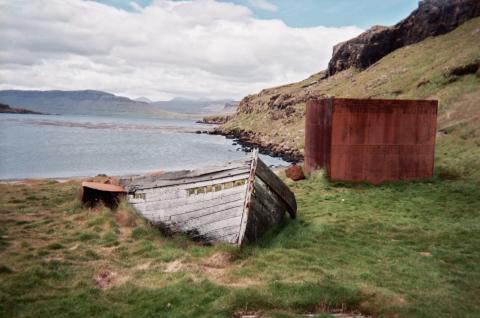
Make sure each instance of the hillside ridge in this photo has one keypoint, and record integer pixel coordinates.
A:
(431, 18)
(444, 67)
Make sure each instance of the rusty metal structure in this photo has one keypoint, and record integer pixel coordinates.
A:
(94, 193)
(373, 140)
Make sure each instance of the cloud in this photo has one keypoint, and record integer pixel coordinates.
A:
(201, 48)
(264, 5)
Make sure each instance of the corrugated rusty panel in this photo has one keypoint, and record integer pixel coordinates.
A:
(374, 140)
(318, 128)
(382, 140)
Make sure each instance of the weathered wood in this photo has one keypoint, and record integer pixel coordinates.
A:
(167, 215)
(149, 184)
(185, 177)
(211, 215)
(217, 235)
(277, 186)
(234, 203)
(191, 203)
(266, 212)
(208, 223)
(179, 191)
(248, 197)
(210, 233)
(230, 238)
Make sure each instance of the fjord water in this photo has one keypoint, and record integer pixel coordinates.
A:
(48, 146)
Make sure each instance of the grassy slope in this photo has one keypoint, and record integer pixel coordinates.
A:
(397, 75)
(399, 250)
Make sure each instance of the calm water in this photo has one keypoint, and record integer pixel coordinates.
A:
(37, 146)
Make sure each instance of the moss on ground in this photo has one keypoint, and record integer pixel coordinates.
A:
(407, 249)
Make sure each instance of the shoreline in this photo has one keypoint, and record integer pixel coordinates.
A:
(248, 140)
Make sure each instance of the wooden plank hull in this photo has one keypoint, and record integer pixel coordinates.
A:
(235, 203)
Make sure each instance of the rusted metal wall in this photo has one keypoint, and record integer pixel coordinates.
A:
(373, 140)
(318, 133)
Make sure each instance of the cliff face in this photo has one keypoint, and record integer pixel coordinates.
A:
(432, 18)
(444, 67)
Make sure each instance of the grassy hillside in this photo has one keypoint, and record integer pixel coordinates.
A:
(399, 250)
(421, 71)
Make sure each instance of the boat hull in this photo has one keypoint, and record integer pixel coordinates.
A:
(230, 204)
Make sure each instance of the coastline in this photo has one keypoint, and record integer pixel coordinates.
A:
(248, 140)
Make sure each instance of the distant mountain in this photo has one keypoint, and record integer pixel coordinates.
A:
(85, 102)
(92, 102)
(143, 99)
(194, 106)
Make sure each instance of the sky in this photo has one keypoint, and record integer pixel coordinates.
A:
(161, 49)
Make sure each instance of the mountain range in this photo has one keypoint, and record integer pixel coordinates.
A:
(93, 102)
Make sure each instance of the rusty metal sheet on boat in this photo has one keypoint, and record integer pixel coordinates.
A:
(103, 186)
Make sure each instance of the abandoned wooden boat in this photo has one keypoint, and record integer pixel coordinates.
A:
(235, 203)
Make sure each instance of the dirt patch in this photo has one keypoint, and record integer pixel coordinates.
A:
(73, 248)
(426, 254)
(173, 267)
(218, 260)
(335, 312)
(107, 279)
(144, 266)
(216, 268)
(247, 314)
(376, 300)
(125, 219)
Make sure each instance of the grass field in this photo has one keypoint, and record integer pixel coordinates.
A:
(408, 249)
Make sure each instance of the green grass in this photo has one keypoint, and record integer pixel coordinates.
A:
(406, 249)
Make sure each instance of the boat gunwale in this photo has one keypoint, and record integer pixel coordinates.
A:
(133, 183)
(248, 197)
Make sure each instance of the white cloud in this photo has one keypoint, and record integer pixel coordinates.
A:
(264, 5)
(199, 48)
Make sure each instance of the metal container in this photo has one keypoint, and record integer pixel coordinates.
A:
(373, 140)
(318, 133)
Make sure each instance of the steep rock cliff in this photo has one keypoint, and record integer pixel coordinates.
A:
(432, 18)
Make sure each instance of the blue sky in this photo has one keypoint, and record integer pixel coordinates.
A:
(307, 13)
(197, 49)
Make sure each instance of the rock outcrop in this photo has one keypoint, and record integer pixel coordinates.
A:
(7, 109)
(432, 18)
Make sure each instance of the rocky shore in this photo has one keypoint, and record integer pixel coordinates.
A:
(215, 119)
(249, 140)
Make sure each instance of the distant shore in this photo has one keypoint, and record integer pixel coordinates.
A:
(6, 109)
